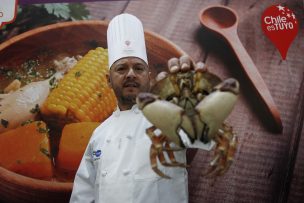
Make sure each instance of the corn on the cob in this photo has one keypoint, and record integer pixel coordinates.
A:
(83, 94)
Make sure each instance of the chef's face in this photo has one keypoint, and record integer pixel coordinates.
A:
(128, 77)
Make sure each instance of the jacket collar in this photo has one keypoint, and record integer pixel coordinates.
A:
(134, 109)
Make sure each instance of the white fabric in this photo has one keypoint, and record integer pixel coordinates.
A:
(125, 38)
(122, 172)
(197, 143)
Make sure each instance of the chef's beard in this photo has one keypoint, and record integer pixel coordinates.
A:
(128, 100)
(125, 99)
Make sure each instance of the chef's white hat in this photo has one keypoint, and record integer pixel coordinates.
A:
(125, 38)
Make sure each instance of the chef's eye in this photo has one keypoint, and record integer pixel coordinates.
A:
(139, 68)
(121, 68)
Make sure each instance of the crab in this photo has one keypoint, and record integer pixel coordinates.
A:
(190, 100)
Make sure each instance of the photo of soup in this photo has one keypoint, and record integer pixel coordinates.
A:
(73, 90)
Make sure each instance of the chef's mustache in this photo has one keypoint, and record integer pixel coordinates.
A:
(131, 83)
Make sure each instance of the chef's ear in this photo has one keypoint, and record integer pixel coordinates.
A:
(109, 80)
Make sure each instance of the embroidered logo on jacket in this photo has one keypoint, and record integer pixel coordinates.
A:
(97, 154)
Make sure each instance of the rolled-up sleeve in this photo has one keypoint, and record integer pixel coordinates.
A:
(84, 182)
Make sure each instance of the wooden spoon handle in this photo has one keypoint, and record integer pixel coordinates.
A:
(255, 77)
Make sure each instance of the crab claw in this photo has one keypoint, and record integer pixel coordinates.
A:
(163, 114)
(216, 107)
(229, 85)
(144, 99)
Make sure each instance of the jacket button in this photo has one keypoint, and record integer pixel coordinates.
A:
(104, 173)
(108, 140)
(129, 137)
(125, 172)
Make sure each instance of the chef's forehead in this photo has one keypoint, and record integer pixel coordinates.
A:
(132, 60)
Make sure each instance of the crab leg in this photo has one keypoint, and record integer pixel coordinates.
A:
(232, 147)
(158, 150)
(226, 148)
(153, 160)
(172, 158)
(219, 161)
(159, 140)
(162, 159)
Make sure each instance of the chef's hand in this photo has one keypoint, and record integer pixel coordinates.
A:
(182, 64)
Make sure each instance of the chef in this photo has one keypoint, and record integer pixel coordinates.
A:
(116, 165)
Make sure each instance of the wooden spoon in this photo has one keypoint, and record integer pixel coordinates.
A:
(223, 20)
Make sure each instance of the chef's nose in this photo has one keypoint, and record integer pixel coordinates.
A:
(131, 73)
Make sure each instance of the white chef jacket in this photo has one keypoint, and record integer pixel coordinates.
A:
(116, 166)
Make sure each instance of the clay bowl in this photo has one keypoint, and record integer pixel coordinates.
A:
(68, 38)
